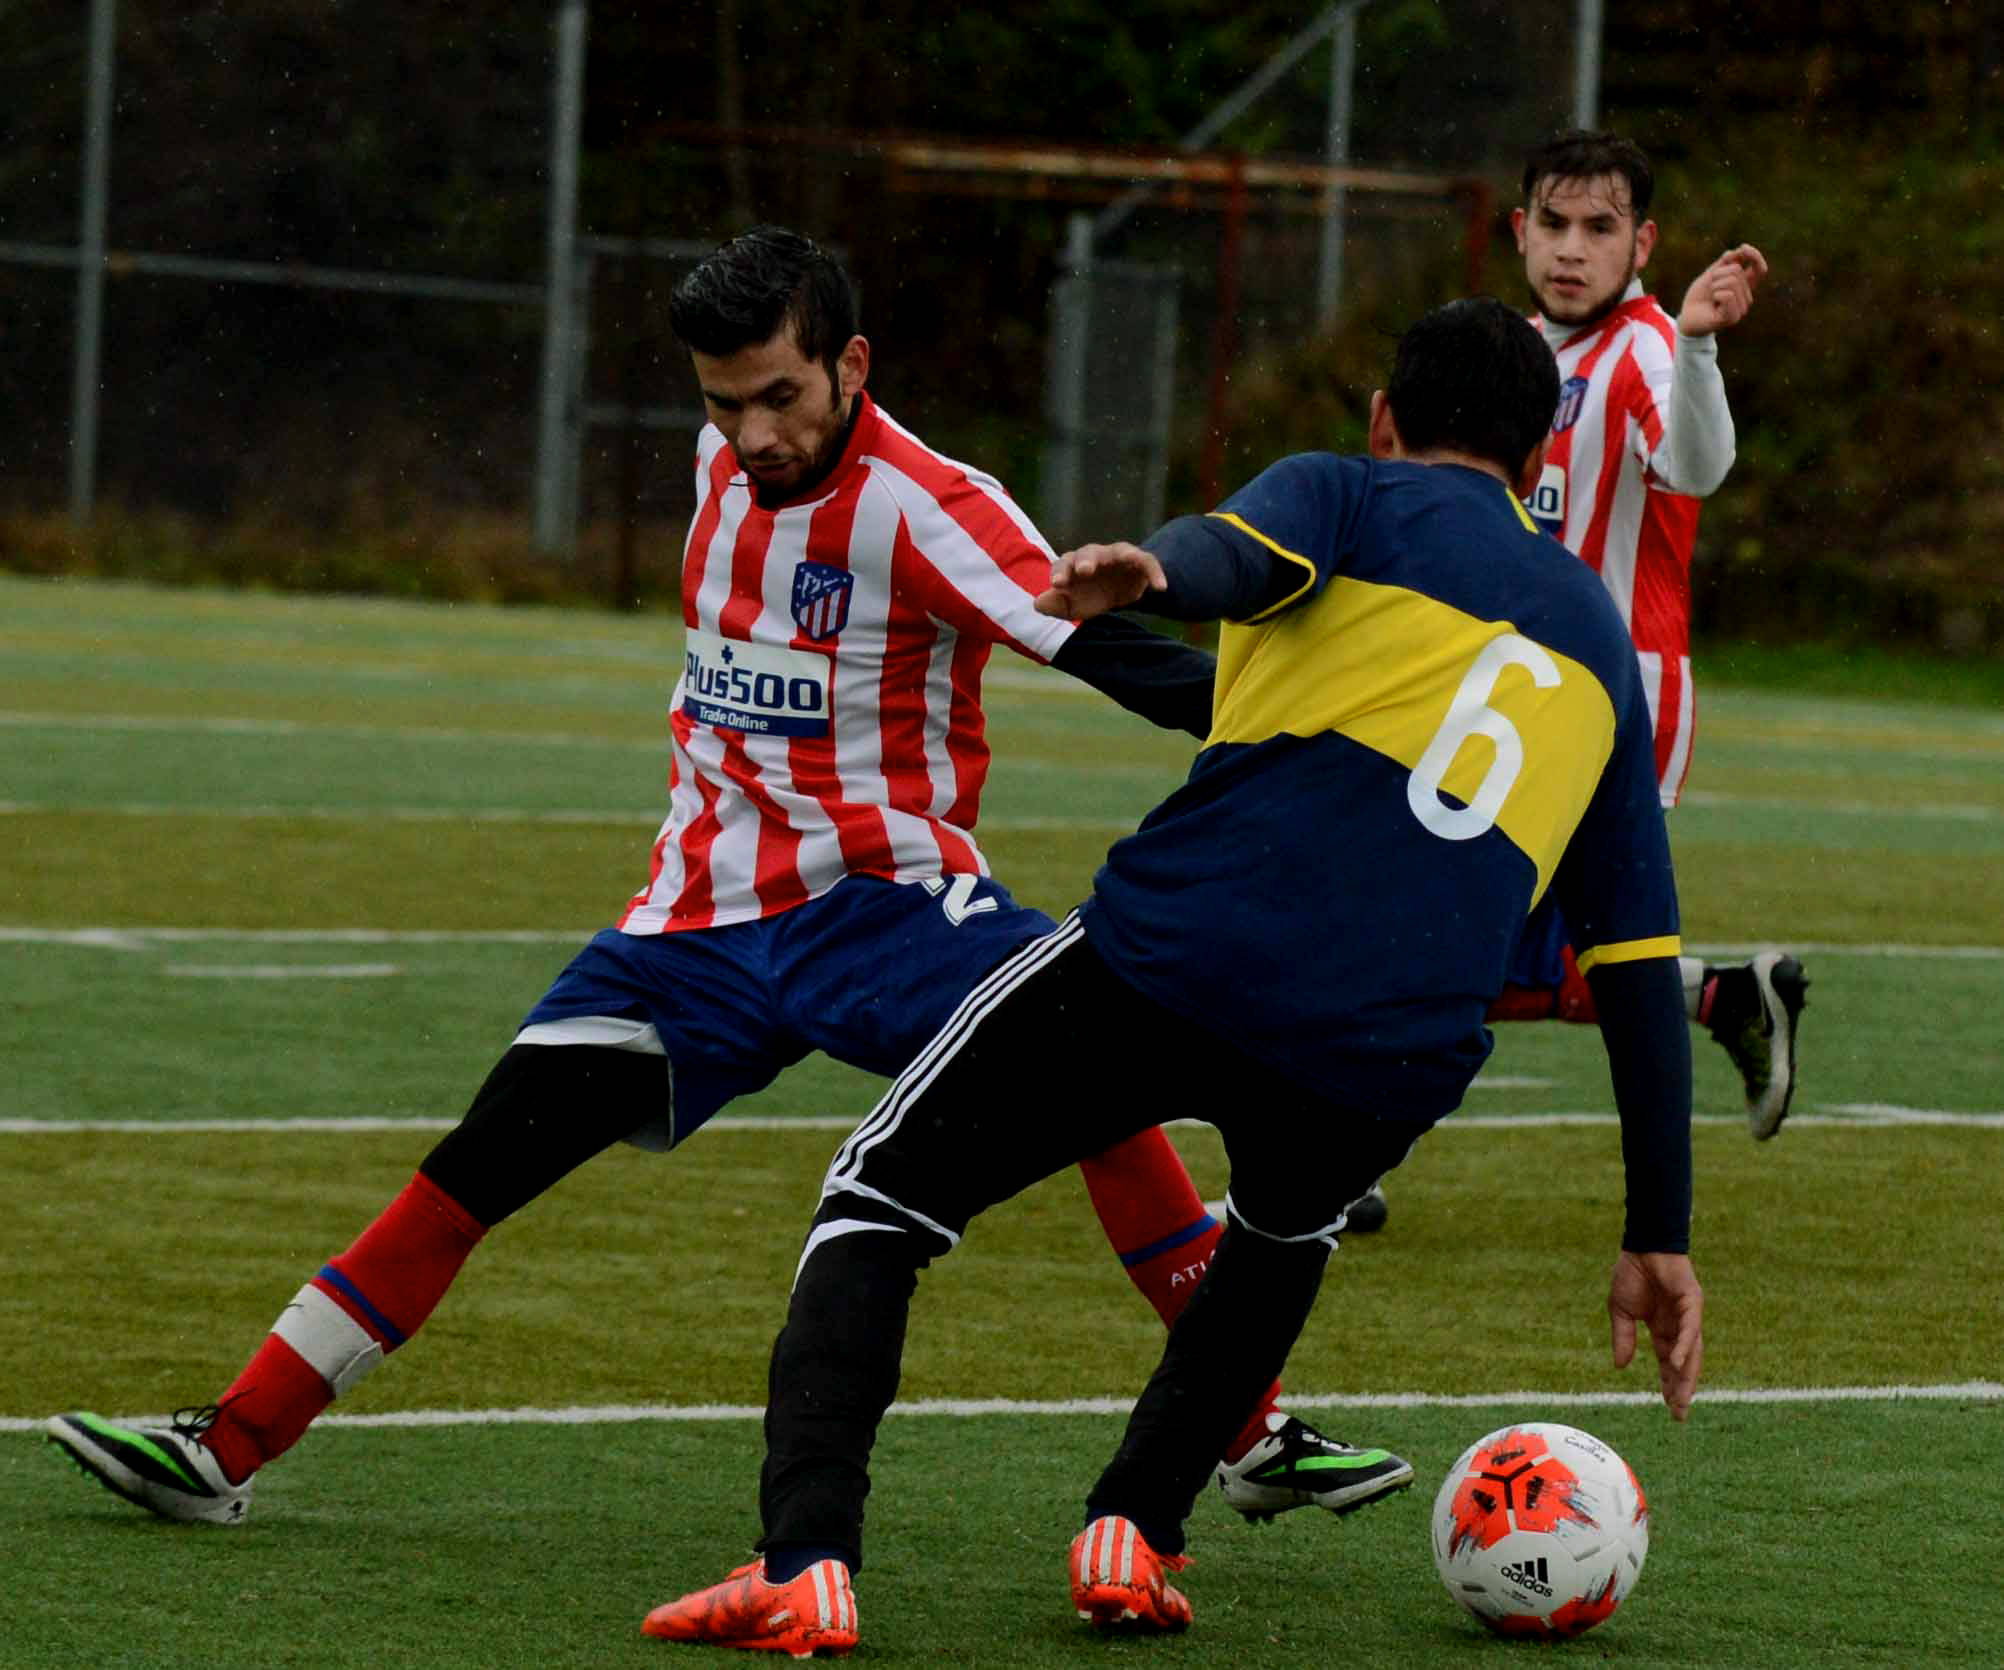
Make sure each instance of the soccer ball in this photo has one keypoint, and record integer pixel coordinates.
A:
(1540, 1529)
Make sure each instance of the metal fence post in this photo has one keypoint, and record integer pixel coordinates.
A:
(1586, 64)
(1065, 386)
(556, 508)
(1162, 402)
(88, 346)
(1342, 94)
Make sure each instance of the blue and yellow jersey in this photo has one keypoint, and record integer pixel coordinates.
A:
(1443, 721)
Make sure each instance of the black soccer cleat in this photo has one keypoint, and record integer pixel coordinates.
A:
(1367, 1213)
(1756, 1009)
(1294, 1466)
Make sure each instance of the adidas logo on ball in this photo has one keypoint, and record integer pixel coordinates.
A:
(1530, 1574)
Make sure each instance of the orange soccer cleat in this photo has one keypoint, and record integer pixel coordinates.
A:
(1118, 1581)
(815, 1613)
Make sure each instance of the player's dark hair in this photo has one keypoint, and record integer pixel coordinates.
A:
(1474, 377)
(740, 294)
(1582, 154)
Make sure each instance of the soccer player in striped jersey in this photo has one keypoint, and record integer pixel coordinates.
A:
(1641, 435)
(1429, 717)
(816, 883)
(1640, 438)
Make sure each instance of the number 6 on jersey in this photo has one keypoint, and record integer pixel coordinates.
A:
(1469, 714)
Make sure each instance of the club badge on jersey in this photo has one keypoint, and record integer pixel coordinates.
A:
(821, 598)
(765, 689)
(1548, 501)
(1572, 401)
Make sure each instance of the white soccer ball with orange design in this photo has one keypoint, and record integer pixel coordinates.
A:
(1540, 1529)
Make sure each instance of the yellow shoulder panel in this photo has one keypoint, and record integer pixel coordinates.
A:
(1473, 709)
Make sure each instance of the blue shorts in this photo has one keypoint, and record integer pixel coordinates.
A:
(867, 972)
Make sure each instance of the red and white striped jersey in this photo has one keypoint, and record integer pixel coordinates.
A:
(1603, 494)
(828, 720)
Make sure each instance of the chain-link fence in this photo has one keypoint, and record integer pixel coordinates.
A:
(1109, 397)
(322, 272)
(1150, 353)
(319, 277)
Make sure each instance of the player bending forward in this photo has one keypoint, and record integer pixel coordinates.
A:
(816, 884)
(1429, 717)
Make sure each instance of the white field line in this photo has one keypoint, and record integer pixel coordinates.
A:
(224, 726)
(281, 971)
(1939, 953)
(357, 1122)
(1954, 811)
(1966, 1391)
(648, 819)
(1024, 678)
(139, 939)
(1040, 680)
(1931, 811)
(1864, 723)
(1847, 1115)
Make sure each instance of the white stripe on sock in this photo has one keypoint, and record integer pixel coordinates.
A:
(338, 1347)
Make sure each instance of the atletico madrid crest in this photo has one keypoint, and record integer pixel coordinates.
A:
(1572, 401)
(821, 598)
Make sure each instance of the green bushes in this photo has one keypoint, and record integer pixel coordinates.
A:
(1867, 503)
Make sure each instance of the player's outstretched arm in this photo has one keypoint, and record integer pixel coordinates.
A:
(1660, 1292)
(1193, 568)
(1096, 579)
(1648, 1042)
(1722, 295)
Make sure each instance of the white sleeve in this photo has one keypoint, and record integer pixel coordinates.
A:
(986, 554)
(1697, 446)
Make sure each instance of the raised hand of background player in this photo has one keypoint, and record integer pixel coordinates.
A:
(1661, 1292)
(1721, 294)
(1096, 578)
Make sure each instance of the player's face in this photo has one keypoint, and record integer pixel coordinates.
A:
(781, 411)
(1581, 245)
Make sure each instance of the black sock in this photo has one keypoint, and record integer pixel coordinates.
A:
(786, 1561)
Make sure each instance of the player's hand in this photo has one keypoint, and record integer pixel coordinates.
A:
(1660, 1291)
(1097, 578)
(1723, 293)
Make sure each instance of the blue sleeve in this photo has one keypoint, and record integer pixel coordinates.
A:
(1163, 679)
(1648, 1043)
(1301, 510)
(1214, 571)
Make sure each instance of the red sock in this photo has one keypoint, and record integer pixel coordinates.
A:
(1163, 1235)
(1523, 1003)
(1571, 1000)
(1708, 994)
(267, 1407)
(1575, 995)
(385, 1285)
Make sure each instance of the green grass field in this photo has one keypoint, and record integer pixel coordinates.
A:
(281, 875)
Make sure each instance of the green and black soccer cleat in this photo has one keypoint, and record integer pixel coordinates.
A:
(1294, 1466)
(166, 1470)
